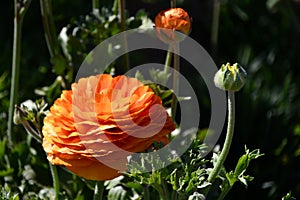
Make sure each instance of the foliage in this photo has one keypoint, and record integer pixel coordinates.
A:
(263, 36)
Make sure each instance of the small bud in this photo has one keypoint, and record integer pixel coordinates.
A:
(230, 77)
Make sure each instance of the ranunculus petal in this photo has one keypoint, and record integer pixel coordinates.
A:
(92, 128)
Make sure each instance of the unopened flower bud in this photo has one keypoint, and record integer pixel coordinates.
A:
(230, 77)
(171, 20)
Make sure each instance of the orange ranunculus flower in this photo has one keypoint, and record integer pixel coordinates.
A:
(173, 19)
(92, 128)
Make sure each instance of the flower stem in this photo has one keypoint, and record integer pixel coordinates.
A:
(49, 26)
(168, 61)
(146, 194)
(96, 5)
(173, 3)
(224, 193)
(55, 180)
(215, 27)
(161, 188)
(123, 28)
(115, 7)
(176, 66)
(228, 139)
(99, 189)
(19, 13)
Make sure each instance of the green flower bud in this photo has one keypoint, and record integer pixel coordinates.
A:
(230, 77)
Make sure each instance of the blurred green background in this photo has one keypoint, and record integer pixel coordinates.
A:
(263, 36)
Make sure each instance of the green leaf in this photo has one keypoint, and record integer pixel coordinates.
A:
(2, 148)
(113, 183)
(204, 185)
(243, 180)
(196, 196)
(244, 161)
(139, 76)
(288, 196)
(134, 185)
(6, 172)
(231, 178)
(117, 192)
(166, 94)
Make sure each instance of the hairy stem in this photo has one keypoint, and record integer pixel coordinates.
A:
(228, 139)
(99, 189)
(49, 26)
(173, 3)
(176, 66)
(168, 61)
(95, 5)
(19, 13)
(146, 194)
(215, 27)
(224, 193)
(55, 180)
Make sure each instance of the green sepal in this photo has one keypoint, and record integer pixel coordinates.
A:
(230, 77)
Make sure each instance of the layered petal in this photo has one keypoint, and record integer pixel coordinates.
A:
(92, 128)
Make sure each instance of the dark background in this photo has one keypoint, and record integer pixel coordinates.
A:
(263, 36)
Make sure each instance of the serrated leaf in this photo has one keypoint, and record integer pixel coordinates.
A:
(244, 161)
(204, 185)
(113, 183)
(243, 180)
(117, 192)
(196, 196)
(255, 154)
(134, 185)
(139, 76)
(231, 178)
(166, 94)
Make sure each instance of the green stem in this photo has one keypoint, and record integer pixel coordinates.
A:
(173, 3)
(162, 188)
(176, 66)
(19, 13)
(74, 182)
(168, 61)
(99, 189)
(228, 139)
(166, 191)
(174, 195)
(159, 189)
(215, 27)
(146, 195)
(96, 5)
(49, 26)
(55, 180)
(224, 193)
(115, 7)
(123, 28)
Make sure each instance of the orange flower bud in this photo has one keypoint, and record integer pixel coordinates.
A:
(175, 19)
(97, 121)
